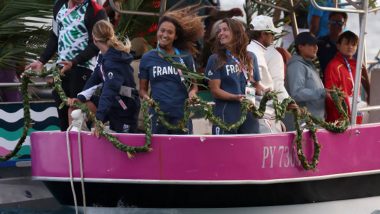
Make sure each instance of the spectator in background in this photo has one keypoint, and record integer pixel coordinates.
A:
(318, 19)
(327, 44)
(302, 81)
(340, 73)
(71, 38)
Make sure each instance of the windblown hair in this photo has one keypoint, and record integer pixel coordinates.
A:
(239, 46)
(103, 32)
(189, 27)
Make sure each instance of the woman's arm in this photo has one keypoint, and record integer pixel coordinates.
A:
(144, 86)
(193, 90)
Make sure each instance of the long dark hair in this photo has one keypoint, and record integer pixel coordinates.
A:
(189, 27)
(239, 46)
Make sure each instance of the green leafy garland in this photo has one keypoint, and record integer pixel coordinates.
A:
(190, 76)
(130, 150)
(311, 122)
(280, 110)
(207, 110)
(27, 119)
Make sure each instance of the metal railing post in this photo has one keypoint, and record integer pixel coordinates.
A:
(363, 27)
(294, 19)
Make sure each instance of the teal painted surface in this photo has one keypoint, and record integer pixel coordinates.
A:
(44, 116)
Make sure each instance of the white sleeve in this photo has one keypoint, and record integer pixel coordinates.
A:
(90, 91)
(276, 67)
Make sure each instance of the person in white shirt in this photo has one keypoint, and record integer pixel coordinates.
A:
(276, 68)
(271, 66)
(262, 32)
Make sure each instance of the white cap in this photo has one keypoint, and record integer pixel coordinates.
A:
(264, 23)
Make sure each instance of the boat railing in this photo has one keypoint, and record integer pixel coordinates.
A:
(356, 8)
(18, 84)
(38, 90)
(375, 63)
(356, 5)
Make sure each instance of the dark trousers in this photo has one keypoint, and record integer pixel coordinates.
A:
(158, 128)
(72, 83)
(230, 113)
(125, 122)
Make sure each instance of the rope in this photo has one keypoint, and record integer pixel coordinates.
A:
(76, 125)
(71, 169)
(81, 166)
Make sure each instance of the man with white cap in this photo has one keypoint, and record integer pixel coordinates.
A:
(262, 33)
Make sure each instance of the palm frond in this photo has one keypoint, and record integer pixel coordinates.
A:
(140, 26)
(22, 30)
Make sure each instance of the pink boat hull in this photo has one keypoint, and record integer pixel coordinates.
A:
(252, 160)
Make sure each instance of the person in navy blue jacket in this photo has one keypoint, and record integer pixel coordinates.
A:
(231, 73)
(118, 102)
(177, 34)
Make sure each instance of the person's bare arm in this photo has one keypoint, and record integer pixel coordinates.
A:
(193, 90)
(144, 86)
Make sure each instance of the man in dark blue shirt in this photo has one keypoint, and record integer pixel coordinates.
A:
(327, 44)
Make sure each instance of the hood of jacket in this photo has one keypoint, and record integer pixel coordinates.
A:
(116, 56)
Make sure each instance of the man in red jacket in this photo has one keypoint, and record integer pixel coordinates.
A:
(340, 73)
